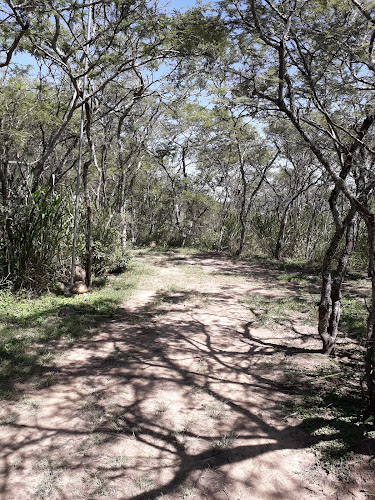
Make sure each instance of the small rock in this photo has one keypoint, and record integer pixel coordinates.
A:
(60, 289)
(79, 287)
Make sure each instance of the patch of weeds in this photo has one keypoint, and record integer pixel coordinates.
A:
(174, 296)
(331, 410)
(354, 317)
(186, 491)
(215, 410)
(292, 277)
(186, 426)
(47, 486)
(202, 366)
(325, 430)
(30, 403)
(161, 408)
(180, 434)
(224, 442)
(99, 438)
(147, 330)
(291, 377)
(137, 318)
(84, 446)
(9, 419)
(45, 380)
(116, 356)
(69, 340)
(334, 456)
(28, 322)
(95, 439)
(116, 421)
(144, 483)
(344, 469)
(187, 251)
(173, 252)
(178, 439)
(6, 394)
(16, 463)
(92, 411)
(200, 389)
(329, 450)
(42, 464)
(270, 310)
(114, 463)
(99, 488)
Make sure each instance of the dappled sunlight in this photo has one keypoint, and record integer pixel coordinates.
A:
(171, 398)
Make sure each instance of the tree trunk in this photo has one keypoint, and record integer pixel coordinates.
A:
(336, 294)
(280, 236)
(89, 219)
(242, 237)
(132, 223)
(220, 240)
(89, 249)
(242, 215)
(310, 246)
(370, 345)
(124, 228)
(331, 292)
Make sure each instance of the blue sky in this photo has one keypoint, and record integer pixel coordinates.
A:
(180, 4)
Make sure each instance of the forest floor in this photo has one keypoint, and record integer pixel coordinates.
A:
(206, 384)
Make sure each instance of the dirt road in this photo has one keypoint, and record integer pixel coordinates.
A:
(177, 397)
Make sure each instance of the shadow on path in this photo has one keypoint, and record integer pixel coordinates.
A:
(177, 389)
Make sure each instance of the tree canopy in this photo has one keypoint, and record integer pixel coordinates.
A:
(242, 126)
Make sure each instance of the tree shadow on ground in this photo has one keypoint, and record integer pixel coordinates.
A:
(134, 361)
(154, 351)
(29, 341)
(301, 281)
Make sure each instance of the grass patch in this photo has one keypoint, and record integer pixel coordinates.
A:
(289, 266)
(354, 317)
(186, 491)
(98, 487)
(114, 463)
(92, 411)
(215, 410)
(292, 277)
(224, 442)
(9, 419)
(270, 310)
(28, 324)
(330, 406)
(144, 483)
(47, 486)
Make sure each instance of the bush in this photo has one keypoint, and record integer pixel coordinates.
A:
(108, 254)
(37, 226)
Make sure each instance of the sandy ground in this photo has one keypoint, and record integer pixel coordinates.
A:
(177, 397)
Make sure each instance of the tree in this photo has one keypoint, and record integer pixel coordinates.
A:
(311, 64)
(14, 24)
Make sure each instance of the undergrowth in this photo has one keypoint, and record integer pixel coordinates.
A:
(328, 400)
(28, 324)
(330, 404)
(270, 310)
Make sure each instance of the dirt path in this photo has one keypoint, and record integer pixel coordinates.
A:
(176, 398)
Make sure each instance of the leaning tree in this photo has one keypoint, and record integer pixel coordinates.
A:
(312, 64)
